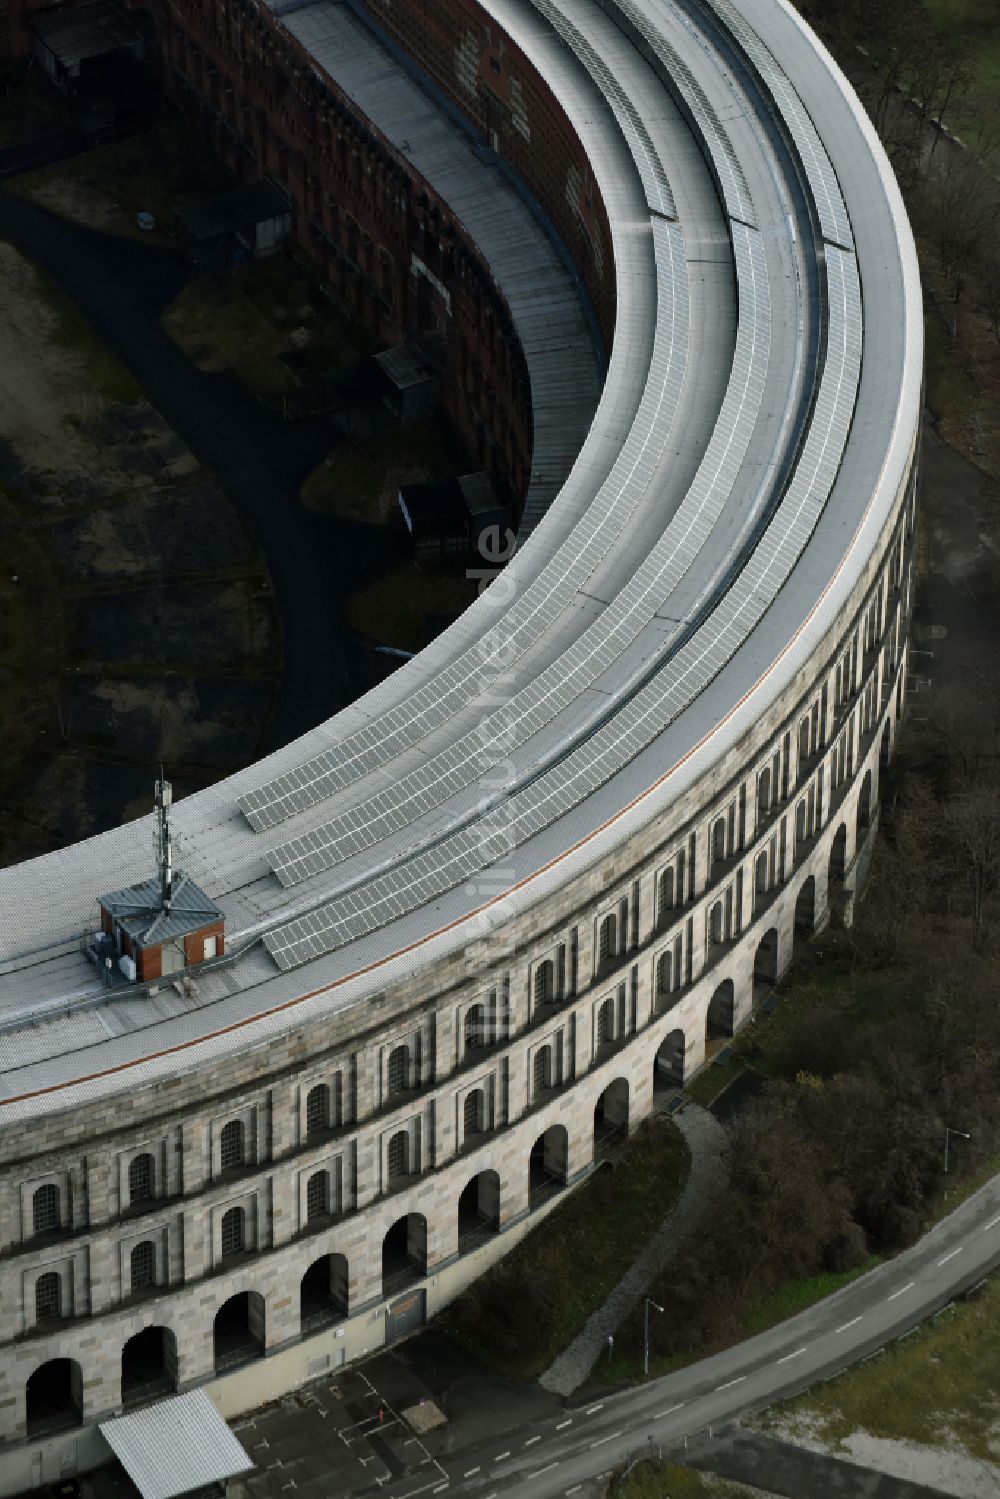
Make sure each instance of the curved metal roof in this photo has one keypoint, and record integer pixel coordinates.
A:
(756, 423)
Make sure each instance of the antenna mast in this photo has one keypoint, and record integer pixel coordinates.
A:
(164, 798)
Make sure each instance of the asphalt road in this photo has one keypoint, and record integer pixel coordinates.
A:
(122, 286)
(571, 1452)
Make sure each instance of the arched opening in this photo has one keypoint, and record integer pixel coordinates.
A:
(664, 980)
(668, 1065)
(607, 941)
(805, 913)
(545, 983)
(718, 841)
(140, 1179)
(716, 927)
(611, 1116)
(760, 880)
(149, 1365)
(404, 1253)
(719, 1017)
(54, 1396)
(398, 1156)
(317, 1109)
(885, 750)
(323, 1292)
(473, 1116)
(542, 1074)
(864, 821)
(765, 965)
(835, 876)
(763, 794)
(475, 1027)
(665, 895)
(605, 1036)
(239, 1330)
(478, 1211)
(547, 1164)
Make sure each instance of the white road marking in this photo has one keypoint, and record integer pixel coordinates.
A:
(500, 1457)
(669, 1412)
(574, 1490)
(562, 1427)
(853, 1323)
(440, 1488)
(531, 1441)
(798, 1352)
(471, 1472)
(592, 1408)
(992, 1224)
(601, 1440)
(539, 1471)
(908, 1287)
(729, 1383)
(951, 1256)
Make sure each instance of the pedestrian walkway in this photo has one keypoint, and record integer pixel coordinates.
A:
(709, 1173)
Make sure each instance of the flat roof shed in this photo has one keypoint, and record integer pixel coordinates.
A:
(66, 40)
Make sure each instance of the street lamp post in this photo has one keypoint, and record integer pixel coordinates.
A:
(961, 1134)
(645, 1340)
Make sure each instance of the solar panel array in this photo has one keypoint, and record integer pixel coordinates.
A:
(835, 222)
(577, 668)
(578, 775)
(681, 83)
(542, 603)
(650, 168)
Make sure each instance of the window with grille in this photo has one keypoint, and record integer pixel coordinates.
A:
(665, 893)
(544, 984)
(473, 1113)
(399, 1070)
(715, 924)
(233, 1231)
(543, 1069)
(48, 1296)
(606, 942)
(664, 973)
(317, 1195)
(399, 1154)
(604, 1025)
(140, 1178)
(474, 1028)
(318, 1109)
(231, 1145)
(719, 841)
(45, 1209)
(143, 1265)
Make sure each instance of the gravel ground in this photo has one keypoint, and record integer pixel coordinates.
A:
(709, 1173)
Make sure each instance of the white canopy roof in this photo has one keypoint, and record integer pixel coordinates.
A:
(175, 1446)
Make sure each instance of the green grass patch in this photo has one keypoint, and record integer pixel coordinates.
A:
(797, 1295)
(360, 481)
(939, 1385)
(715, 1079)
(108, 375)
(656, 1480)
(520, 1316)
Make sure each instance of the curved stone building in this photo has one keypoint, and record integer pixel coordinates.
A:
(416, 966)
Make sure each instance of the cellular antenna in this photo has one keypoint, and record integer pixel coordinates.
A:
(164, 853)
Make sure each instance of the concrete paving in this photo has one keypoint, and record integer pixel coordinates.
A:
(709, 1173)
(783, 1468)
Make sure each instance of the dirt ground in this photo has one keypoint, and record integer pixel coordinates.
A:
(120, 638)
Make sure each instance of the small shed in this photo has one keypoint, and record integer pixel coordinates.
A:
(410, 382)
(450, 516)
(153, 935)
(69, 42)
(247, 223)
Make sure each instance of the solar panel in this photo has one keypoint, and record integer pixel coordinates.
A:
(576, 669)
(462, 854)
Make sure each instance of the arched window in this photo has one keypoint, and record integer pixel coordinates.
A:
(664, 972)
(545, 982)
(231, 1146)
(607, 939)
(317, 1109)
(605, 1018)
(317, 1195)
(48, 1296)
(715, 924)
(719, 840)
(542, 1070)
(233, 1231)
(399, 1154)
(140, 1178)
(763, 793)
(398, 1069)
(143, 1265)
(45, 1209)
(804, 739)
(665, 893)
(473, 1112)
(760, 875)
(475, 1027)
